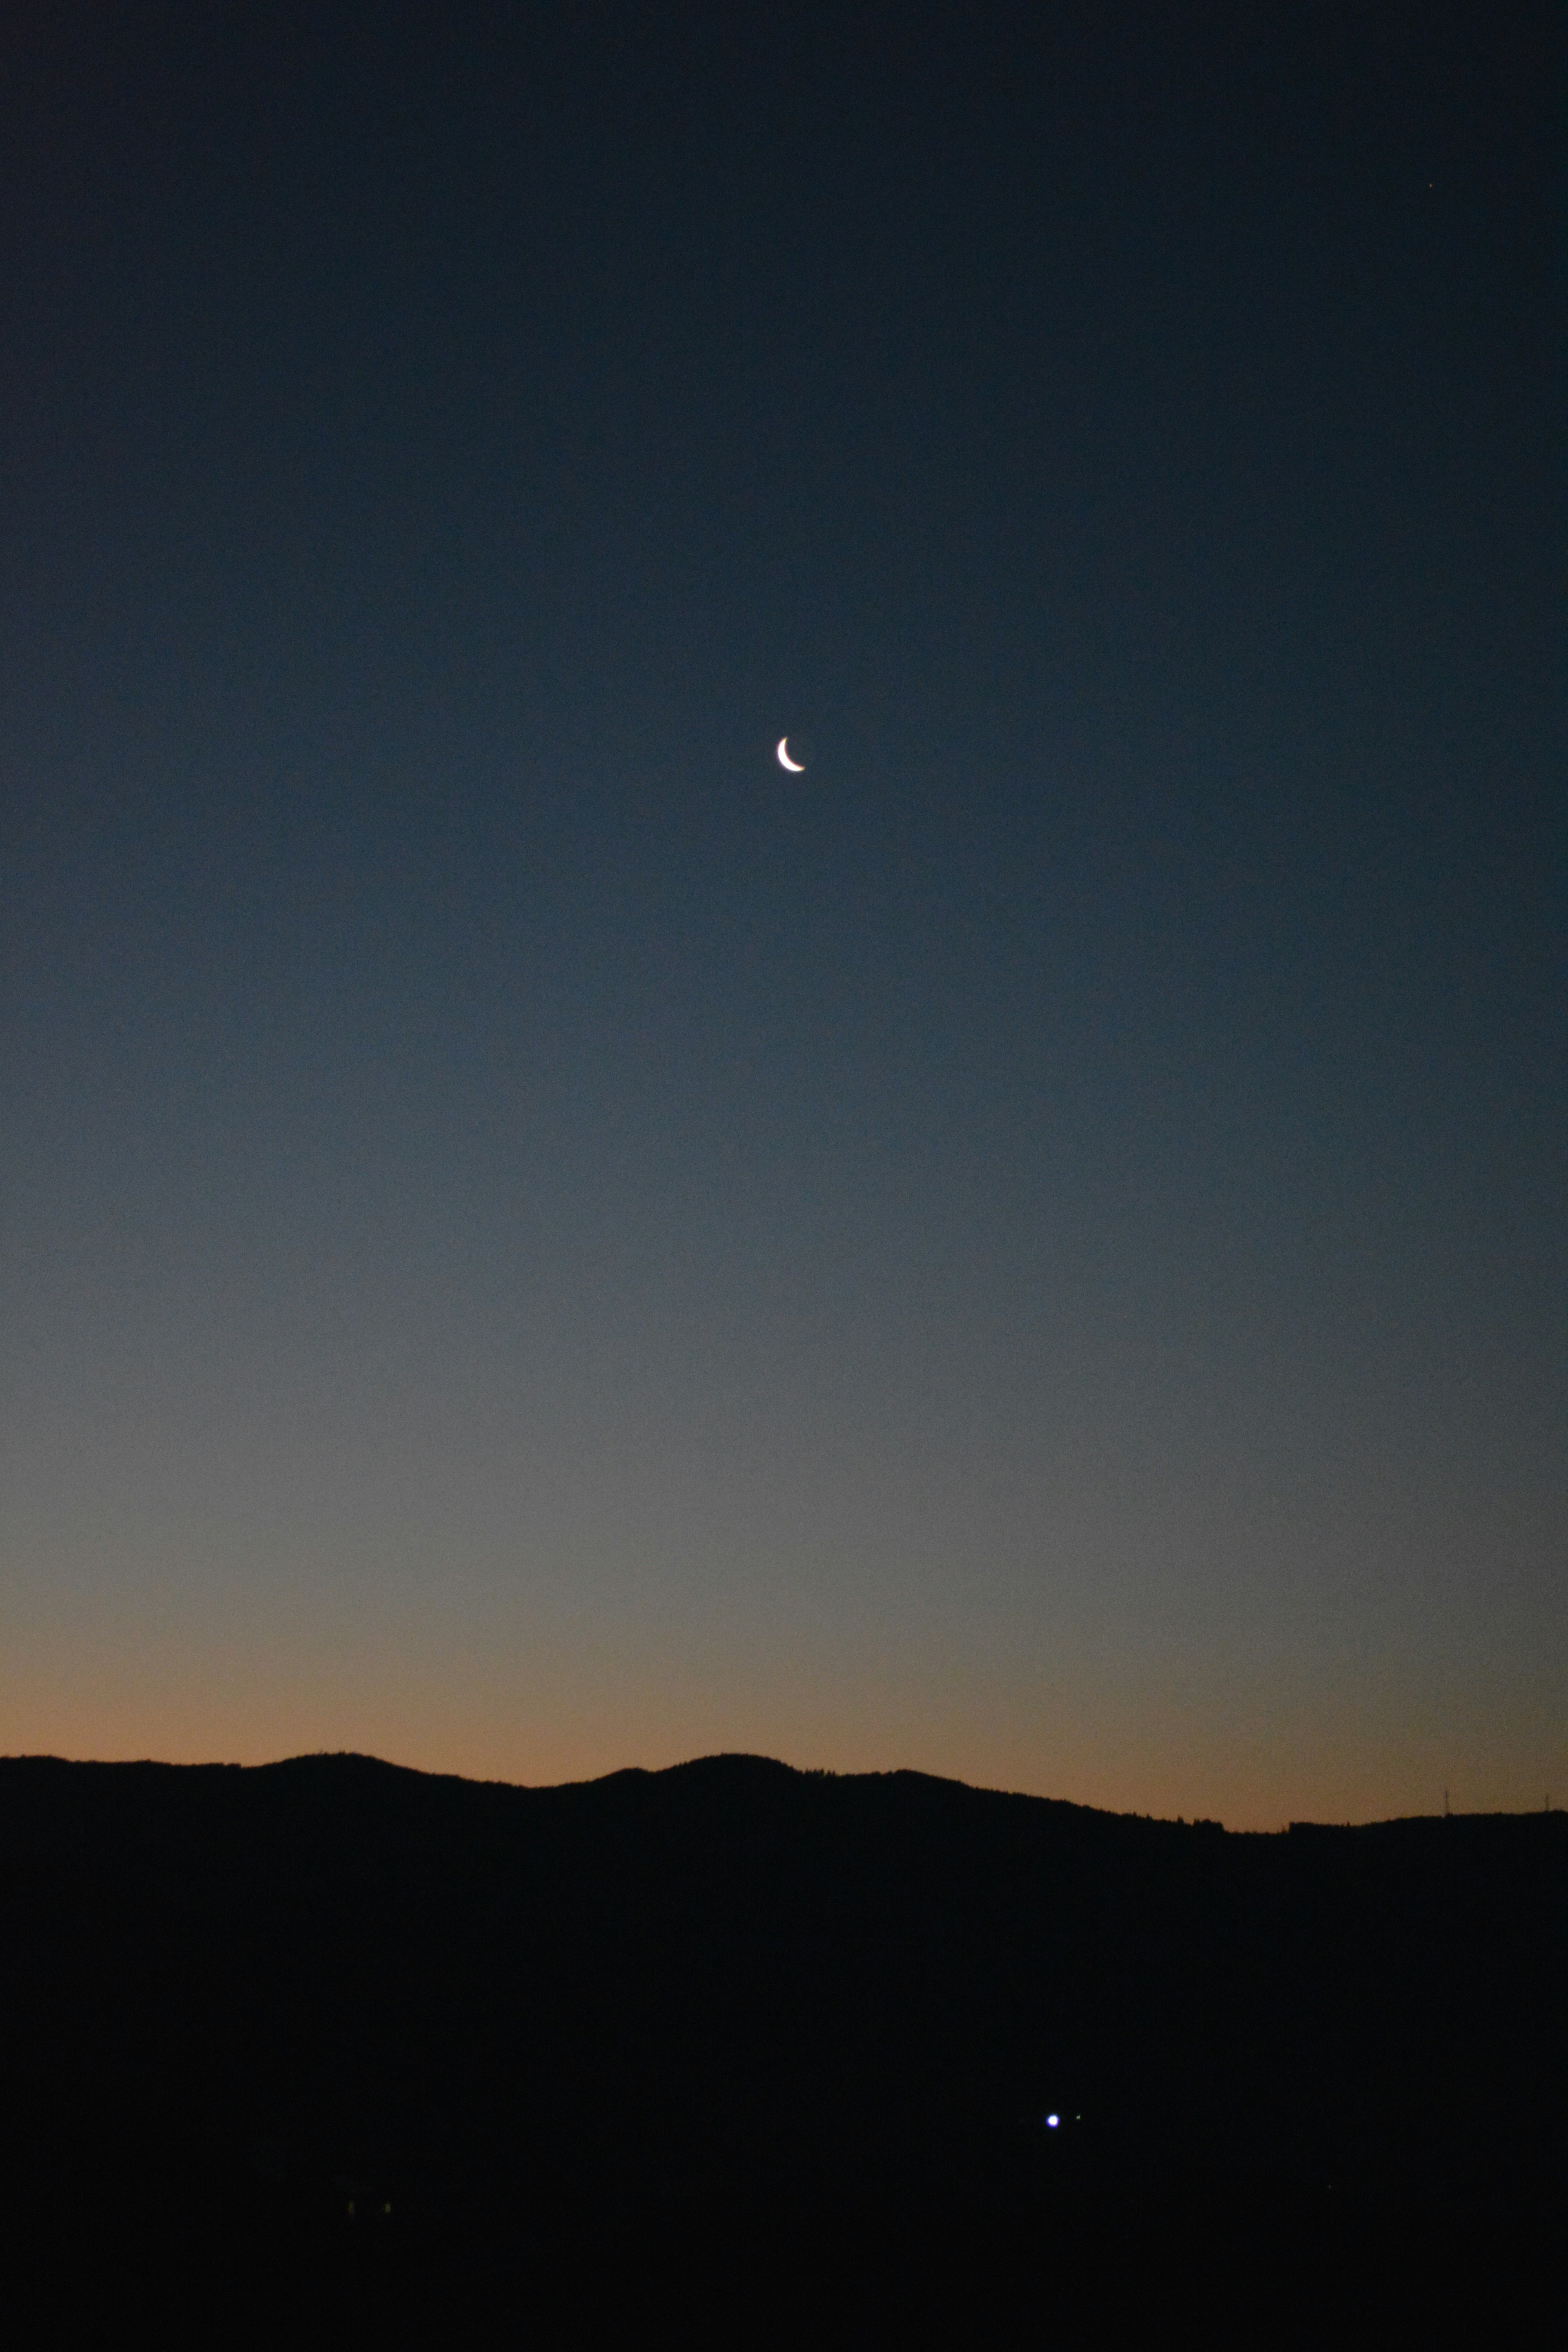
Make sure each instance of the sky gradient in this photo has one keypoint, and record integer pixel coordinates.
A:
(534, 1242)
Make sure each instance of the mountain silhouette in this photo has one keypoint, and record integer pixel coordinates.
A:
(292, 2005)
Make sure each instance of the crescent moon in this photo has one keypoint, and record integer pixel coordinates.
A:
(795, 767)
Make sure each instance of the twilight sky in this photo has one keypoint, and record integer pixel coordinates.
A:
(534, 1241)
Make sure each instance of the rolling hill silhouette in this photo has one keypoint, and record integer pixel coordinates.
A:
(736, 2002)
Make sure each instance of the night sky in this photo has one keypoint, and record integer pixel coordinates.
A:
(536, 1241)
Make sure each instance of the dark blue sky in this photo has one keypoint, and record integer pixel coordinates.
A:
(536, 1241)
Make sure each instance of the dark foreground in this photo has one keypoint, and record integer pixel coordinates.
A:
(332, 2050)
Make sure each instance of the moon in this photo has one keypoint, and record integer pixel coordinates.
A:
(795, 767)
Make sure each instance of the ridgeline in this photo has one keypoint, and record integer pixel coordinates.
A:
(268, 2013)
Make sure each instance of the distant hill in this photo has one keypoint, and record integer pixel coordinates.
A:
(733, 1981)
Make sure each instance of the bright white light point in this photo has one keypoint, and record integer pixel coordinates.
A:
(1051, 2122)
(795, 767)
